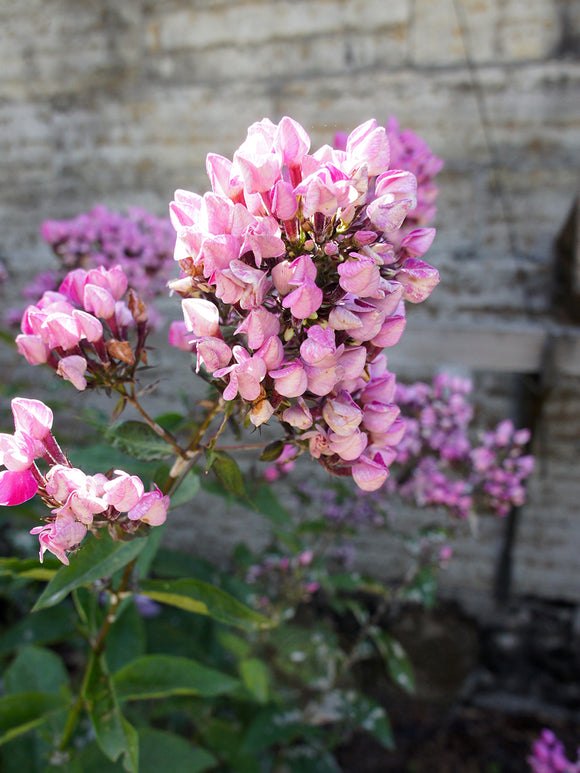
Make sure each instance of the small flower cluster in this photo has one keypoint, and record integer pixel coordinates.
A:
(81, 330)
(79, 502)
(441, 466)
(139, 242)
(411, 152)
(284, 577)
(549, 756)
(294, 273)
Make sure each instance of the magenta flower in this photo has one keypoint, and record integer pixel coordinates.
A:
(17, 487)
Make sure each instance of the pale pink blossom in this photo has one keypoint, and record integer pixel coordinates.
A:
(33, 417)
(73, 369)
(151, 508)
(59, 536)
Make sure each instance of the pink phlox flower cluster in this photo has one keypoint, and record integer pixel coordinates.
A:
(81, 330)
(411, 153)
(294, 276)
(549, 756)
(141, 243)
(500, 467)
(74, 497)
(440, 464)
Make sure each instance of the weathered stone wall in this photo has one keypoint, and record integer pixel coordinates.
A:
(120, 102)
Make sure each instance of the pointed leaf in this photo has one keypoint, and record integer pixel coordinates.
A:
(366, 714)
(35, 669)
(396, 659)
(256, 678)
(229, 474)
(205, 599)
(24, 711)
(29, 568)
(159, 676)
(163, 751)
(44, 627)
(100, 558)
(116, 737)
(138, 440)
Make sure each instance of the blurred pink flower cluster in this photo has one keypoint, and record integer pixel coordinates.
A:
(139, 242)
(440, 464)
(284, 577)
(294, 273)
(549, 756)
(79, 502)
(81, 329)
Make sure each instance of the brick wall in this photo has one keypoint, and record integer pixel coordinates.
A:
(120, 102)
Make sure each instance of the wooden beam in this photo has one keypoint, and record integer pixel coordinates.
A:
(513, 348)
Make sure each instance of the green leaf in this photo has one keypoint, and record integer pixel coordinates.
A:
(256, 678)
(228, 473)
(159, 676)
(44, 627)
(272, 451)
(163, 751)
(126, 639)
(25, 711)
(366, 714)
(188, 489)
(396, 659)
(423, 588)
(171, 421)
(99, 457)
(138, 440)
(205, 599)
(116, 737)
(273, 726)
(29, 568)
(100, 558)
(267, 503)
(35, 669)
(309, 759)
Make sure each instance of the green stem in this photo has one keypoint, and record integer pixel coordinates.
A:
(186, 458)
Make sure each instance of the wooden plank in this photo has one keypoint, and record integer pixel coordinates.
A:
(517, 348)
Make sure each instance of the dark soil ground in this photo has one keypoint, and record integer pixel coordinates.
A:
(484, 691)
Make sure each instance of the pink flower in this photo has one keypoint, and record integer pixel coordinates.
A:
(16, 487)
(258, 326)
(291, 141)
(418, 278)
(151, 508)
(368, 144)
(61, 330)
(201, 317)
(369, 474)
(63, 534)
(298, 416)
(245, 376)
(99, 300)
(73, 368)
(348, 447)
(359, 276)
(342, 414)
(180, 337)
(124, 491)
(291, 379)
(212, 353)
(33, 417)
(32, 348)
